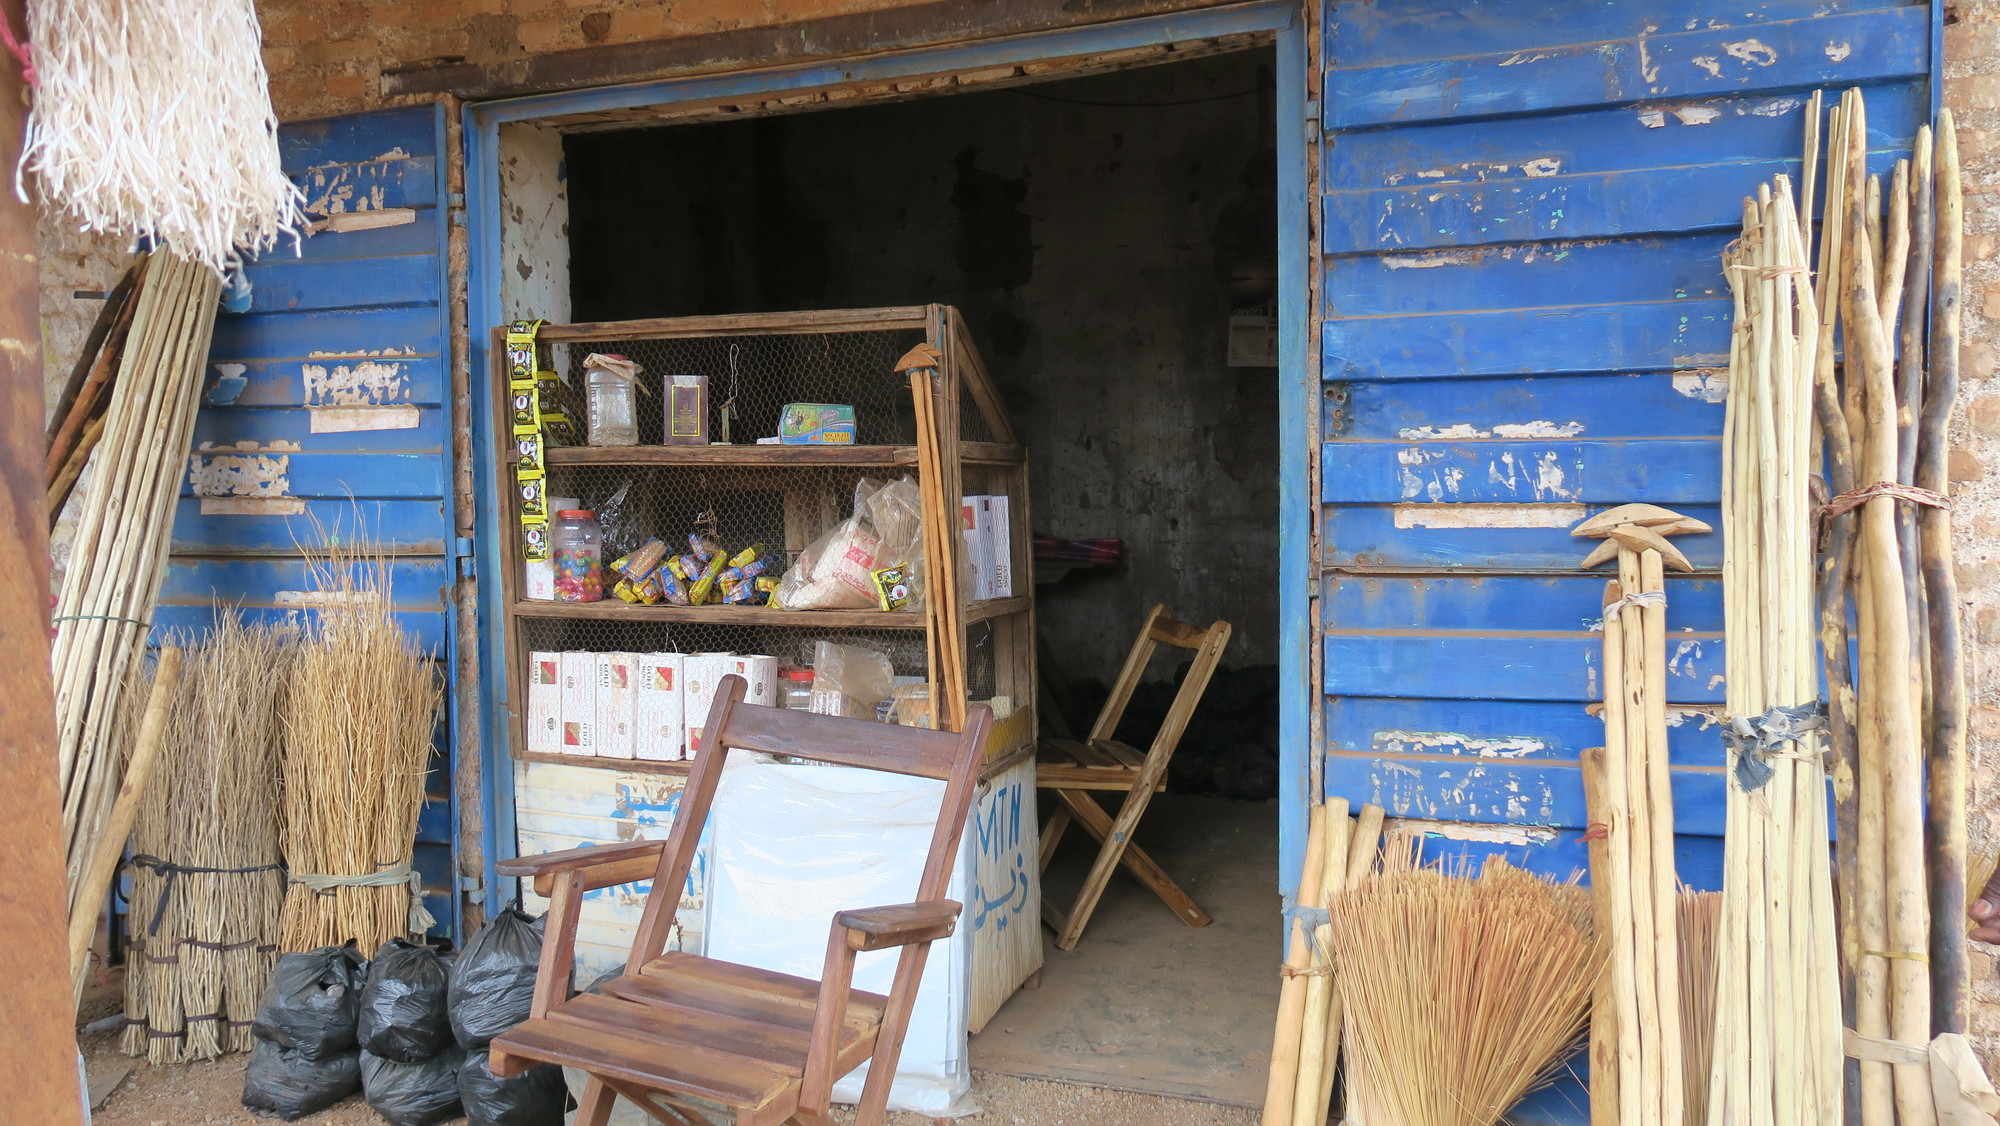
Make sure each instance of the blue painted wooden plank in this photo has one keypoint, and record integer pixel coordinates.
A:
(1845, 48)
(368, 381)
(413, 527)
(434, 823)
(1369, 537)
(340, 334)
(218, 430)
(1659, 336)
(352, 138)
(1525, 275)
(279, 285)
(416, 582)
(1509, 791)
(1647, 201)
(1372, 32)
(1471, 666)
(370, 185)
(419, 236)
(1503, 602)
(1658, 405)
(1524, 730)
(362, 475)
(426, 630)
(1680, 133)
(1489, 471)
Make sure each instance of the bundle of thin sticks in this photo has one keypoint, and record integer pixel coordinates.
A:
(1339, 853)
(934, 394)
(360, 712)
(1777, 1040)
(1637, 1023)
(1889, 278)
(119, 553)
(1461, 994)
(206, 881)
(76, 424)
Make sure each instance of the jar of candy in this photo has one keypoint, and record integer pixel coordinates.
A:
(578, 547)
(796, 685)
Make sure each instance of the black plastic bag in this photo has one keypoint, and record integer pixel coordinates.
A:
(493, 984)
(403, 1015)
(281, 1082)
(536, 1097)
(413, 1094)
(309, 1007)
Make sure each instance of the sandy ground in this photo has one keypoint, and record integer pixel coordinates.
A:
(207, 1093)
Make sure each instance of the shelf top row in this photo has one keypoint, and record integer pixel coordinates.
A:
(744, 454)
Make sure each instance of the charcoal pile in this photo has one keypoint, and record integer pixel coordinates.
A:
(1230, 748)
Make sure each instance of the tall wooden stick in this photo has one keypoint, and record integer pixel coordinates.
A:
(1285, 1041)
(1604, 1034)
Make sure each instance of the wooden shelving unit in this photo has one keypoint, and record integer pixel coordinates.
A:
(779, 495)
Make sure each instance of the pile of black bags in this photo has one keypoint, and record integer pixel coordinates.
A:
(408, 1030)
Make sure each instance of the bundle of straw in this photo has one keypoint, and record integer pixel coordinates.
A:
(1461, 994)
(154, 119)
(361, 707)
(1777, 1039)
(120, 551)
(1700, 916)
(206, 882)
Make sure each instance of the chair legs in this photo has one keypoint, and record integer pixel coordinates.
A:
(594, 1107)
(1117, 849)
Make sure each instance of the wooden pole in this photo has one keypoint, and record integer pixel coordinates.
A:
(1283, 1078)
(124, 811)
(1603, 1005)
(39, 1068)
(1313, 1091)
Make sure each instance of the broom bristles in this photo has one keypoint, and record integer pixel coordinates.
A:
(1463, 994)
(1700, 917)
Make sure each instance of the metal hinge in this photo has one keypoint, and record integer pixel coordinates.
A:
(462, 550)
(1337, 418)
(471, 885)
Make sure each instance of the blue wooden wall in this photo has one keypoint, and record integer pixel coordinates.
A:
(326, 409)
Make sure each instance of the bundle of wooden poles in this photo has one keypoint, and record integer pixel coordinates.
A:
(361, 710)
(207, 884)
(76, 423)
(119, 553)
(1340, 852)
(935, 396)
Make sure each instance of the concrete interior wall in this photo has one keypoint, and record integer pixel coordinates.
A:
(1096, 234)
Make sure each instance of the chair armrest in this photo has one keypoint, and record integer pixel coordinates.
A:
(874, 928)
(600, 866)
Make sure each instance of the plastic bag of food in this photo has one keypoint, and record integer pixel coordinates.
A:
(403, 1005)
(312, 1000)
(493, 984)
(849, 680)
(279, 1081)
(536, 1097)
(413, 1094)
(837, 571)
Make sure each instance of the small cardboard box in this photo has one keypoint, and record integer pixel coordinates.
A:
(579, 703)
(1000, 542)
(703, 672)
(544, 734)
(660, 731)
(762, 674)
(977, 557)
(617, 704)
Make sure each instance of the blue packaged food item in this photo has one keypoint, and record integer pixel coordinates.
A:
(816, 424)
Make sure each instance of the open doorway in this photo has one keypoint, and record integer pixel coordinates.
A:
(1111, 242)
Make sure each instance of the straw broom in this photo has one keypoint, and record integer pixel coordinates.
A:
(207, 883)
(1699, 917)
(1462, 994)
(359, 718)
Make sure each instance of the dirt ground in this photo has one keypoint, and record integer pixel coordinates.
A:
(207, 1093)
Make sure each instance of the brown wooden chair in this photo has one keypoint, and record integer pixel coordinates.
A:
(696, 1040)
(1073, 767)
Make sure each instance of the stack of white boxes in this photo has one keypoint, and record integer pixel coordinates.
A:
(633, 705)
(989, 545)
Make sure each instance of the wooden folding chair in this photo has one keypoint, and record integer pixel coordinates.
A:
(1072, 767)
(701, 1042)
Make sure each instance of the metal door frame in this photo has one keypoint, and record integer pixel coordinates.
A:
(1298, 371)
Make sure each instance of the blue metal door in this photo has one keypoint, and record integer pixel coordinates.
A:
(327, 406)
(1525, 321)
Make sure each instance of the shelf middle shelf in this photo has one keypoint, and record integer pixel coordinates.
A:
(612, 610)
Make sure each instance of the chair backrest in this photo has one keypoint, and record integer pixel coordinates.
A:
(954, 759)
(1159, 630)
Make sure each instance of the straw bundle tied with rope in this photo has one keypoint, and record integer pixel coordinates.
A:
(154, 119)
(362, 703)
(206, 881)
(1461, 994)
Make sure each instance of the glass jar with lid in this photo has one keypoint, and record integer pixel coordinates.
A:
(577, 549)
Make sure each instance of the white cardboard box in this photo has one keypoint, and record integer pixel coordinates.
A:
(762, 674)
(617, 704)
(1001, 543)
(975, 546)
(544, 735)
(579, 703)
(660, 731)
(703, 672)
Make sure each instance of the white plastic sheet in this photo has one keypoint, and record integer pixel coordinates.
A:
(789, 845)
